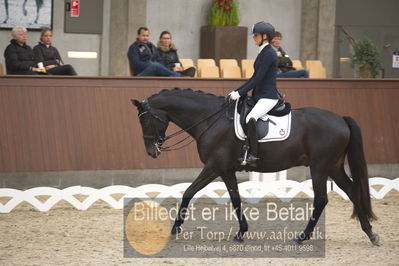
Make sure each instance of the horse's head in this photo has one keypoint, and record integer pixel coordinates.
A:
(154, 123)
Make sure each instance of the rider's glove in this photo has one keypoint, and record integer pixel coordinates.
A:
(234, 95)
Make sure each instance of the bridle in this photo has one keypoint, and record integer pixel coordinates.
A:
(159, 139)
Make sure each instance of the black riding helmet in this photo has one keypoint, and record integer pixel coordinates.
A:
(264, 28)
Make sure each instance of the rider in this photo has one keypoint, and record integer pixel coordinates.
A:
(263, 83)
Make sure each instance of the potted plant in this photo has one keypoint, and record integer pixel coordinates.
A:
(223, 13)
(366, 59)
(223, 31)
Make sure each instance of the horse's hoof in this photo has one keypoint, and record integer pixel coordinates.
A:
(238, 239)
(297, 241)
(176, 230)
(375, 239)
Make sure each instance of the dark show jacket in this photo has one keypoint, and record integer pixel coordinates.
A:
(19, 58)
(263, 81)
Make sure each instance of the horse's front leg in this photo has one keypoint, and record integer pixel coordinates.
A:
(230, 180)
(206, 176)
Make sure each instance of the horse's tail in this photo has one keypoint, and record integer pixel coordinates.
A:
(358, 168)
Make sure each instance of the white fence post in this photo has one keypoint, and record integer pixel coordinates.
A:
(268, 177)
(260, 185)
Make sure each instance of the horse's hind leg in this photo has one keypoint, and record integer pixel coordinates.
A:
(24, 8)
(6, 6)
(319, 180)
(37, 12)
(206, 176)
(230, 180)
(344, 183)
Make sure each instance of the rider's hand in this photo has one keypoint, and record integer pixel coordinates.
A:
(234, 95)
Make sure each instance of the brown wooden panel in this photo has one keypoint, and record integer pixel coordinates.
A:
(88, 123)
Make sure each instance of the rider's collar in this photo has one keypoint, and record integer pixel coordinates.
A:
(262, 46)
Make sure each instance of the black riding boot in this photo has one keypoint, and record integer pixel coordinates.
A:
(252, 138)
(253, 142)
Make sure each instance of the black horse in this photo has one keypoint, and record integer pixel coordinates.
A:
(39, 4)
(319, 139)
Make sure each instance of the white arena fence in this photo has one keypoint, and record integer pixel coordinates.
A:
(250, 191)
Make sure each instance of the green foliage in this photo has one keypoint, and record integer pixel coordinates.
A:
(365, 55)
(223, 13)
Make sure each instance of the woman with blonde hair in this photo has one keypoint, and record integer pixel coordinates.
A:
(50, 57)
(169, 58)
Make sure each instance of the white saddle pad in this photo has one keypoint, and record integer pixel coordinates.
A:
(278, 131)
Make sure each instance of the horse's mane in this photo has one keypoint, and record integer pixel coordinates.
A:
(186, 91)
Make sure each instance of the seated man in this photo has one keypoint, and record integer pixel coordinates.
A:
(19, 57)
(144, 59)
(285, 68)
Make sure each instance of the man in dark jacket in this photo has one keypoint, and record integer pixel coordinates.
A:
(19, 57)
(144, 59)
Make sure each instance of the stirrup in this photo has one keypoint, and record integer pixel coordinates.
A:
(243, 160)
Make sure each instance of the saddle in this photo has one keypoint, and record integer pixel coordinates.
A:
(245, 106)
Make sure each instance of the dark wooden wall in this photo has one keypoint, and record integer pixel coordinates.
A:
(83, 123)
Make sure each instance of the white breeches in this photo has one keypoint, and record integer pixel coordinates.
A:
(261, 108)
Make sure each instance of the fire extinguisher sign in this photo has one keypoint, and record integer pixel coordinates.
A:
(395, 60)
(75, 8)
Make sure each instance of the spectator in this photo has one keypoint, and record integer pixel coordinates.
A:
(169, 58)
(19, 57)
(285, 68)
(144, 59)
(49, 56)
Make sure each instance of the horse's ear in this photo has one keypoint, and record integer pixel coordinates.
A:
(136, 103)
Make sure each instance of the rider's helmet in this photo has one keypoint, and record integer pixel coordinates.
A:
(264, 28)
